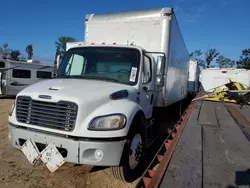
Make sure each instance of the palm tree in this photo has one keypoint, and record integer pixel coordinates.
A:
(61, 44)
(29, 50)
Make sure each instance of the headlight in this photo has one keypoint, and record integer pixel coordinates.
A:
(110, 122)
(12, 109)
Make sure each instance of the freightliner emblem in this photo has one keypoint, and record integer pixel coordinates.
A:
(44, 96)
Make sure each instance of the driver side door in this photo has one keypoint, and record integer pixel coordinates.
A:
(147, 87)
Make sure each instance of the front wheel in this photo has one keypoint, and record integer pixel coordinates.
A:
(132, 156)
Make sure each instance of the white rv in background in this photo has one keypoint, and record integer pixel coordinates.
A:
(211, 78)
(17, 75)
(193, 78)
(99, 109)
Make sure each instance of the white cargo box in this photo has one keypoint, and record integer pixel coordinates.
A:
(211, 78)
(73, 44)
(193, 77)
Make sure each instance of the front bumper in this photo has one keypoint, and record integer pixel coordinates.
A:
(74, 151)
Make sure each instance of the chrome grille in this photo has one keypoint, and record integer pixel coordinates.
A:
(61, 115)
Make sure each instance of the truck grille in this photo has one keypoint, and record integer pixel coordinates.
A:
(61, 115)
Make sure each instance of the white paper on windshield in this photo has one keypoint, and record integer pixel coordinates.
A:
(133, 74)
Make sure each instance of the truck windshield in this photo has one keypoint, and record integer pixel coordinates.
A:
(102, 63)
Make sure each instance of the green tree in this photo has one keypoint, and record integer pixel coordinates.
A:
(206, 59)
(224, 62)
(197, 55)
(210, 56)
(29, 50)
(5, 51)
(15, 55)
(61, 44)
(244, 61)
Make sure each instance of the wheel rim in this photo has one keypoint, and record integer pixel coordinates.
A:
(135, 151)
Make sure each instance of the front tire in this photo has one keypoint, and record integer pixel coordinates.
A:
(132, 154)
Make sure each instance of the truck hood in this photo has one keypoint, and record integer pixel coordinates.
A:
(91, 96)
(75, 90)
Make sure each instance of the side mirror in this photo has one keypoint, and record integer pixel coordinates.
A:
(58, 61)
(160, 69)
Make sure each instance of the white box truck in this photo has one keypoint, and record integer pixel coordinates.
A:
(73, 44)
(98, 110)
(193, 78)
(211, 78)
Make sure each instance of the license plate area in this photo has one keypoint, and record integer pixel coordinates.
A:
(52, 158)
(50, 155)
(31, 151)
(41, 147)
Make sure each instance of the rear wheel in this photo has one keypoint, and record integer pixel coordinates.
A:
(132, 155)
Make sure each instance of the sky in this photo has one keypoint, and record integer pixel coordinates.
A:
(220, 24)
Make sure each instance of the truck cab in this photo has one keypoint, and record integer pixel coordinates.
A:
(95, 109)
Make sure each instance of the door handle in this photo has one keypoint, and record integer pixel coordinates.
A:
(152, 97)
(145, 88)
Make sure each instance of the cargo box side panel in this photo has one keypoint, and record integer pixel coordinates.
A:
(177, 73)
(73, 44)
(138, 28)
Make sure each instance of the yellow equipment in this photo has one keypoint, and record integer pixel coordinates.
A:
(232, 92)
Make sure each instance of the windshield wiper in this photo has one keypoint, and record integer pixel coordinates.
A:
(102, 78)
(89, 77)
(111, 79)
(64, 76)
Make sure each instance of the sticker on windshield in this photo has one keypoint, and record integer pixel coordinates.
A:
(133, 74)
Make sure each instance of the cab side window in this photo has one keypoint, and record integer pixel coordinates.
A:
(146, 71)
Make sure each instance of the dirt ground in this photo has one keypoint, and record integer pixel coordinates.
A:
(16, 171)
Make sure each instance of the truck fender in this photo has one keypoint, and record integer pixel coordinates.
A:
(138, 122)
(140, 119)
(126, 107)
(136, 115)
